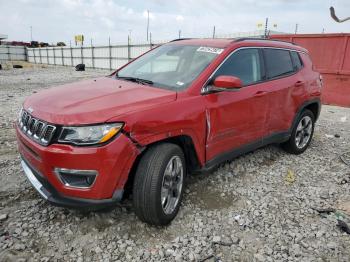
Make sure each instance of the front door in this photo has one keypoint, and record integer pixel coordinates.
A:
(237, 118)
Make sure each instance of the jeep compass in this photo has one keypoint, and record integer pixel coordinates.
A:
(183, 107)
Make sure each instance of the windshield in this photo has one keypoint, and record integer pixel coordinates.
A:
(172, 67)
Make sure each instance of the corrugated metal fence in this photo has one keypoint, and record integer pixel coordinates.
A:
(331, 57)
(17, 53)
(107, 57)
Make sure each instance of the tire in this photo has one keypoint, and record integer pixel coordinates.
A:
(295, 145)
(150, 204)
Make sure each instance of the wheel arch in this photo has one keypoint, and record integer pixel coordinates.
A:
(315, 108)
(185, 142)
(314, 105)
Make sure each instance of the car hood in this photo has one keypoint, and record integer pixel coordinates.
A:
(94, 101)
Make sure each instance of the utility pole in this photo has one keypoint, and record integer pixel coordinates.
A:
(179, 34)
(214, 32)
(31, 33)
(147, 23)
(296, 29)
(129, 37)
(71, 53)
(110, 53)
(266, 24)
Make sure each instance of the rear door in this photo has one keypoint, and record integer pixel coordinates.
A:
(237, 118)
(285, 85)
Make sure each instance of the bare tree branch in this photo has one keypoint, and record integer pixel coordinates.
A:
(335, 17)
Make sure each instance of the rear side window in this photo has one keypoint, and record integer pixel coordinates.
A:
(244, 64)
(296, 61)
(278, 62)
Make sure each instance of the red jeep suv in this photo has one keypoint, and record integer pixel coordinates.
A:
(183, 107)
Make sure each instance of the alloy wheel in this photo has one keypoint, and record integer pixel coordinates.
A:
(172, 185)
(303, 132)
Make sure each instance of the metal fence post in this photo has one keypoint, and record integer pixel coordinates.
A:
(92, 56)
(54, 55)
(33, 50)
(26, 57)
(40, 55)
(8, 53)
(62, 56)
(110, 53)
(71, 55)
(150, 40)
(129, 51)
(81, 53)
(47, 55)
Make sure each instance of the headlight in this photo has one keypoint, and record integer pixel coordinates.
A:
(89, 135)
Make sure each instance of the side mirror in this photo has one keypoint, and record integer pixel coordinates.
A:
(227, 82)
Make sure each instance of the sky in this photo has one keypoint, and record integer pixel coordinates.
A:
(98, 20)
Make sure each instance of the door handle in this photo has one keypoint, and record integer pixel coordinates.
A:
(299, 83)
(260, 93)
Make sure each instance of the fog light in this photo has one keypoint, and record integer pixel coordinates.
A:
(76, 178)
(90, 180)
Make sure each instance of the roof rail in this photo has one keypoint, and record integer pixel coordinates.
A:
(260, 39)
(180, 39)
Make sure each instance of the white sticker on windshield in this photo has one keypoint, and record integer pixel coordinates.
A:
(179, 83)
(207, 49)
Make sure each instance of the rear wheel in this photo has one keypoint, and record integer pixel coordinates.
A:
(158, 184)
(301, 134)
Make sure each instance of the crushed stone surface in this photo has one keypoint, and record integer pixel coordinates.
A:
(249, 209)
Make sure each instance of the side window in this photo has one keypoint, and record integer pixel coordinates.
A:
(296, 61)
(278, 62)
(244, 64)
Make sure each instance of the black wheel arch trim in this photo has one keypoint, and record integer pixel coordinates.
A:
(305, 105)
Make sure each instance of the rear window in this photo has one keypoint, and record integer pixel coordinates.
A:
(278, 62)
(296, 61)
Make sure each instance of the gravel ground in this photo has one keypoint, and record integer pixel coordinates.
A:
(261, 206)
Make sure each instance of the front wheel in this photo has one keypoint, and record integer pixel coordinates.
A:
(158, 184)
(301, 134)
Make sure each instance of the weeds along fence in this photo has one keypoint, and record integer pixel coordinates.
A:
(104, 57)
(13, 53)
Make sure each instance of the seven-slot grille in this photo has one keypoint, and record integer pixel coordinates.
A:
(38, 130)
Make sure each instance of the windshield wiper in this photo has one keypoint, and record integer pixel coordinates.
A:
(137, 80)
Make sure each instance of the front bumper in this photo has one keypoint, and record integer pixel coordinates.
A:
(49, 193)
(112, 161)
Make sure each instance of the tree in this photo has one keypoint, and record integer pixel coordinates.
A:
(333, 15)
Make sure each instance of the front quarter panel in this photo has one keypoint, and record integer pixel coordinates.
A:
(185, 116)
